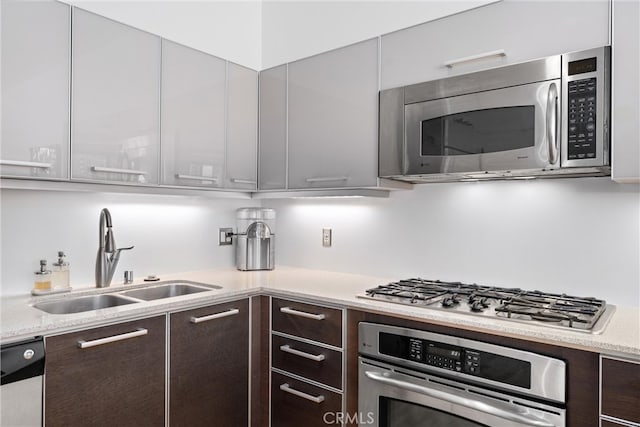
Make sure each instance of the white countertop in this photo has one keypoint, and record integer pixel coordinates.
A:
(18, 319)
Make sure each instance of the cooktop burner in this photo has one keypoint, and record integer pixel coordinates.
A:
(556, 310)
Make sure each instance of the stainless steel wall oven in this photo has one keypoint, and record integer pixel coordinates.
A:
(415, 378)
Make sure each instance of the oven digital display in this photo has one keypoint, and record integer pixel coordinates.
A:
(444, 352)
(583, 66)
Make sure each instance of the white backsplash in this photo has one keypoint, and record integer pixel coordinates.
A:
(170, 233)
(578, 236)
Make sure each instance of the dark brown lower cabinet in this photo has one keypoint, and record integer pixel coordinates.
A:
(297, 403)
(209, 366)
(620, 393)
(108, 376)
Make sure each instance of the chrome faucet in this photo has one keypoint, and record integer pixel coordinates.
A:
(108, 255)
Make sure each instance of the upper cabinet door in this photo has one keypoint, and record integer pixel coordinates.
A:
(501, 33)
(625, 156)
(273, 129)
(242, 128)
(333, 118)
(115, 99)
(35, 89)
(193, 117)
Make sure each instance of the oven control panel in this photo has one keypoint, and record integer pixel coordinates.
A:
(444, 356)
(432, 354)
(582, 119)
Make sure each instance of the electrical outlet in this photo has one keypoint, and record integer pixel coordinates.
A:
(326, 237)
(225, 236)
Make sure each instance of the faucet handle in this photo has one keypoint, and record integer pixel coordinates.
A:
(126, 249)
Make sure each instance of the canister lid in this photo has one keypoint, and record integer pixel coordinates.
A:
(256, 213)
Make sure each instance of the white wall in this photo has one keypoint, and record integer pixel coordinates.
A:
(170, 233)
(227, 29)
(579, 236)
(296, 29)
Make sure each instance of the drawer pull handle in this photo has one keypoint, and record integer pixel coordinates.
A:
(88, 344)
(473, 58)
(328, 179)
(196, 177)
(288, 310)
(316, 399)
(243, 181)
(115, 170)
(25, 164)
(214, 316)
(287, 349)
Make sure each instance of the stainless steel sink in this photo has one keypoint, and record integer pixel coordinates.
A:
(168, 290)
(80, 304)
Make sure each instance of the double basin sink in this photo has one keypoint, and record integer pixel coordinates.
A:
(149, 293)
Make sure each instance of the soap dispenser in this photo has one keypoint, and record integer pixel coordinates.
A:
(42, 278)
(61, 279)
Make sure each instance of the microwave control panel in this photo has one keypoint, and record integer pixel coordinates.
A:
(582, 119)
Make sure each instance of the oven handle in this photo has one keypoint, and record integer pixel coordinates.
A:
(552, 123)
(458, 400)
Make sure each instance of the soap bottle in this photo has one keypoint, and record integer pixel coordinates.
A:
(42, 278)
(61, 272)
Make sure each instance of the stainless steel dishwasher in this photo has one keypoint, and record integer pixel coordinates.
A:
(22, 365)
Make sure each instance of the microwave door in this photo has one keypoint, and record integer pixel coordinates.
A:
(513, 128)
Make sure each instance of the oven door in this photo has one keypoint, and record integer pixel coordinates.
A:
(393, 397)
(513, 128)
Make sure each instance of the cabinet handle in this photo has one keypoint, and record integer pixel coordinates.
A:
(316, 399)
(288, 310)
(25, 164)
(287, 349)
(114, 170)
(472, 58)
(88, 344)
(214, 316)
(196, 177)
(243, 181)
(328, 179)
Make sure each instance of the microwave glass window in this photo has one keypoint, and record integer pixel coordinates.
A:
(398, 413)
(481, 131)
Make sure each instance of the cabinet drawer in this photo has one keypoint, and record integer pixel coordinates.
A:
(296, 403)
(620, 392)
(118, 378)
(307, 360)
(309, 321)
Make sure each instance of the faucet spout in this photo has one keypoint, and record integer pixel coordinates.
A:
(108, 256)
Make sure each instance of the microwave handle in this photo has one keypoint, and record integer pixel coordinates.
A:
(552, 123)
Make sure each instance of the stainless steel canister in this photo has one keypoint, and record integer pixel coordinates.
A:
(255, 239)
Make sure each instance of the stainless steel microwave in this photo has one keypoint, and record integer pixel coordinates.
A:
(543, 118)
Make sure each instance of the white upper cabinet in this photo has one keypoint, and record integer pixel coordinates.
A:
(242, 128)
(35, 89)
(115, 101)
(193, 117)
(501, 33)
(625, 160)
(333, 118)
(273, 129)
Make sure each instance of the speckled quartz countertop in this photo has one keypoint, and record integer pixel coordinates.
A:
(18, 319)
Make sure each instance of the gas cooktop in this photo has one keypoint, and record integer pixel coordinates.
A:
(555, 310)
